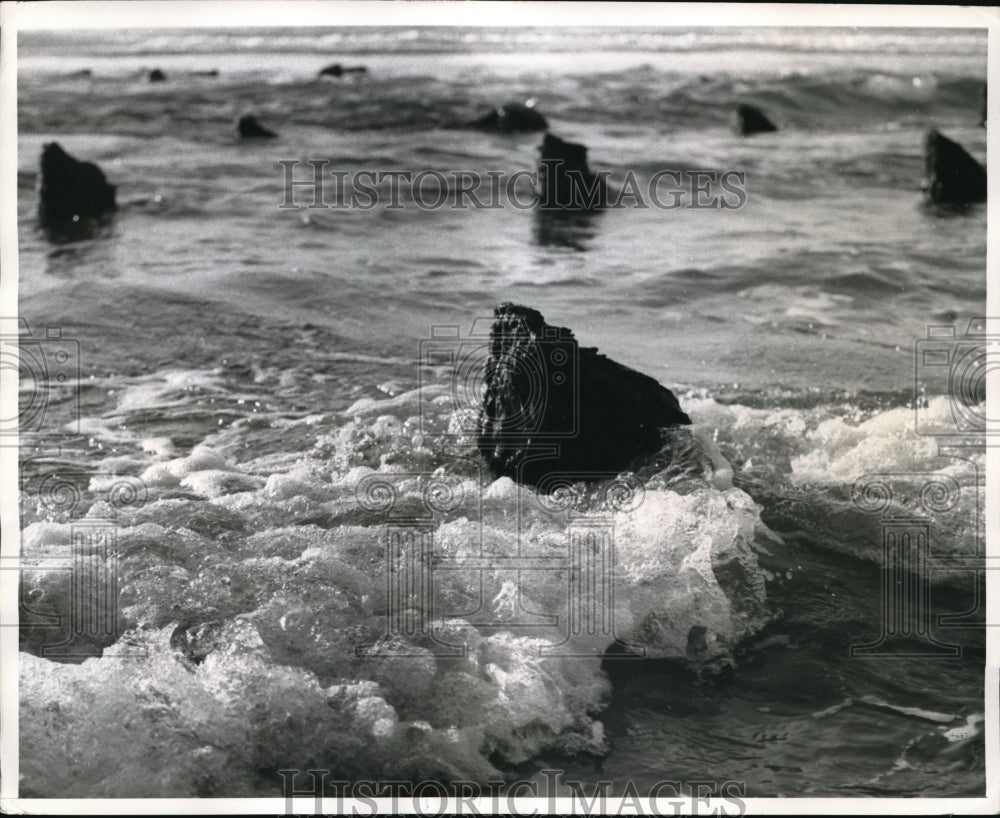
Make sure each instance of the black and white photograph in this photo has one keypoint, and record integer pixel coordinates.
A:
(483, 408)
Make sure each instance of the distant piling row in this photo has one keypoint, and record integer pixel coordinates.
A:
(71, 191)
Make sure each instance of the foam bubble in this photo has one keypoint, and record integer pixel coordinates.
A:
(257, 596)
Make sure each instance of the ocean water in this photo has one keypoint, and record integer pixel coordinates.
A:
(249, 375)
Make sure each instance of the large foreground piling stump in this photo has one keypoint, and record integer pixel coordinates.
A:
(551, 405)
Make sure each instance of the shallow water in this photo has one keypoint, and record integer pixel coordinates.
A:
(244, 366)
